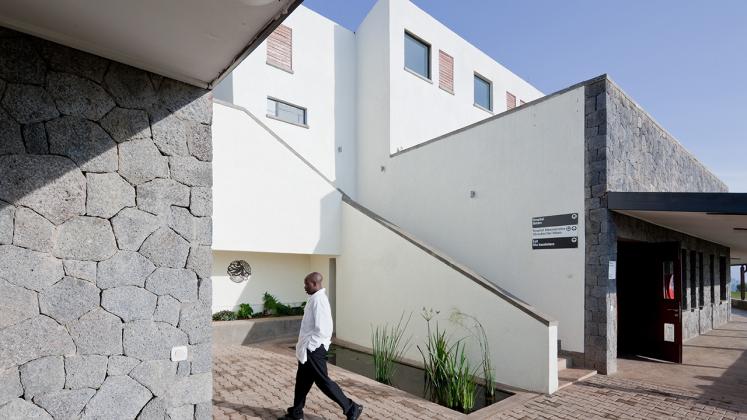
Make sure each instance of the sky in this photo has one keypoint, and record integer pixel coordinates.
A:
(683, 61)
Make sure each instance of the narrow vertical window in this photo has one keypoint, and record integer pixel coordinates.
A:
(417, 56)
(701, 280)
(510, 101)
(693, 282)
(712, 276)
(280, 48)
(722, 277)
(445, 71)
(683, 283)
(483, 93)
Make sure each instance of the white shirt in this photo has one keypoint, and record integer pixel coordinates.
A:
(316, 325)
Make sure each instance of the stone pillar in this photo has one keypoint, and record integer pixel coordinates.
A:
(105, 232)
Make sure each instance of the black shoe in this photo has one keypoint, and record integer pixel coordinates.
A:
(355, 412)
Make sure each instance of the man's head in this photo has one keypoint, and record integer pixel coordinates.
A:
(312, 283)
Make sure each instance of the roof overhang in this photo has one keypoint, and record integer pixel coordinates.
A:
(715, 217)
(195, 41)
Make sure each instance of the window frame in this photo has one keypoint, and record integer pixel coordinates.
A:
(275, 117)
(476, 75)
(429, 49)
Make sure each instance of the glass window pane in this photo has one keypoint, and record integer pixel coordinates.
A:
(482, 93)
(291, 113)
(271, 107)
(417, 56)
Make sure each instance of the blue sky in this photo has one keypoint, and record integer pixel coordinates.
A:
(684, 61)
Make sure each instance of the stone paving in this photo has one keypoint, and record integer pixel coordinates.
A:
(257, 383)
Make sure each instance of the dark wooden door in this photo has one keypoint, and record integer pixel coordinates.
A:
(668, 339)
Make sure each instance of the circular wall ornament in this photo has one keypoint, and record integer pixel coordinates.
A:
(239, 271)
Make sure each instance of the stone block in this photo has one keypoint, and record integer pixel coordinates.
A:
(148, 340)
(180, 283)
(35, 138)
(75, 95)
(84, 270)
(30, 269)
(183, 368)
(86, 239)
(108, 194)
(52, 186)
(21, 63)
(20, 409)
(183, 412)
(201, 202)
(154, 410)
(200, 142)
(190, 171)
(140, 161)
(7, 214)
(126, 124)
(43, 375)
(125, 268)
(121, 365)
(187, 102)
(204, 411)
(130, 87)
(193, 389)
(10, 132)
(201, 358)
(29, 104)
(129, 302)
(205, 291)
(169, 132)
(159, 195)
(132, 226)
(119, 394)
(195, 319)
(166, 249)
(74, 61)
(65, 404)
(97, 332)
(33, 231)
(201, 261)
(85, 371)
(31, 339)
(156, 375)
(10, 385)
(83, 141)
(167, 310)
(68, 299)
(17, 303)
(193, 229)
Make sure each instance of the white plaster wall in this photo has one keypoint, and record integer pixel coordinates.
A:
(421, 110)
(279, 274)
(323, 82)
(385, 275)
(265, 198)
(521, 165)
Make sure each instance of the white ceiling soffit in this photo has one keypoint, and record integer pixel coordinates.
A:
(195, 41)
(718, 228)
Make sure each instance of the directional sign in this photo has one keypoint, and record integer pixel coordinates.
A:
(555, 232)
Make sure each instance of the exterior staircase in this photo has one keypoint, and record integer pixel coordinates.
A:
(568, 375)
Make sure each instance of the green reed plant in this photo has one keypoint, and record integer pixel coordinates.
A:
(478, 330)
(388, 344)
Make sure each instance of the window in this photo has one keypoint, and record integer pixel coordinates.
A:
(280, 48)
(284, 111)
(722, 277)
(683, 270)
(417, 56)
(693, 285)
(483, 93)
(667, 276)
(712, 270)
(445, 71)
(701, 288)
(510, 101)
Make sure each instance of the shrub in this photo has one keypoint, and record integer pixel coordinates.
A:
(388, 347)
(245, 311)
(224, 316)
(272, 306)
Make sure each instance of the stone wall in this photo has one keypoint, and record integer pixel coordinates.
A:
(105, 230)
(626, 150)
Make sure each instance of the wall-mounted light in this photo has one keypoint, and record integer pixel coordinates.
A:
(472, 194)
(383, 168)
(339, 149)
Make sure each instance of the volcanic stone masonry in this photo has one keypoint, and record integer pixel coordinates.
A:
(105, 234)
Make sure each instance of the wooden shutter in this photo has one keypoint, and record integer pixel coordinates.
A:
(280, 48)
(510, 101)
(445, 71)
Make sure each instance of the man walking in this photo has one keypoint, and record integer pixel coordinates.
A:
(311, 351)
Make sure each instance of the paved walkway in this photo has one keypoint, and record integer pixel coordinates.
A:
(257, 383)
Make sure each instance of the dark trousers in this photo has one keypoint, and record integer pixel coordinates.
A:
(314, 371)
